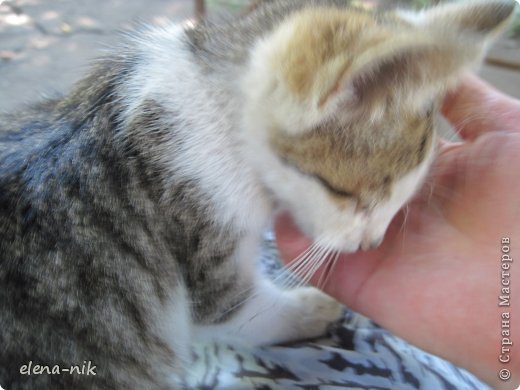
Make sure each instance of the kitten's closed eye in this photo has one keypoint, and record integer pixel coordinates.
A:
(334, 190)
(324, 182)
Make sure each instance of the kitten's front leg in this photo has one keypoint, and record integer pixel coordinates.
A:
(271, 315)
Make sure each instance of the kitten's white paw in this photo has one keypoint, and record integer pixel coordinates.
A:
(274, 316)
(317, 311)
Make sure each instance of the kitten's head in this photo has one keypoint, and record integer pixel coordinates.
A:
(341, 107)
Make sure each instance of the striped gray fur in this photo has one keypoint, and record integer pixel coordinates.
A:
(93, 240)
(93, 243)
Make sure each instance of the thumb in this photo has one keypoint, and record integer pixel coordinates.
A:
(475, 108)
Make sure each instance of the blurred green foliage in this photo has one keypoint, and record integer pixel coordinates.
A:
(232, 5)
(515, 28)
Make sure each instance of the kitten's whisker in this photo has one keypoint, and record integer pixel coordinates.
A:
(319, 258)
(296, 265)
(241, 302)
(329, 271)
(475, 117)
(430, 195)
(282, 279)
(301, 270)
(300, 275)
(309, 260)
(294, 268)
(406, 210)
(402, 230)
(287, 271)
(296, 260)
(300, 263)
(328, 264)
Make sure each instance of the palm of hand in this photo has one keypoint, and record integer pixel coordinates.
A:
(421, 281)
(435, 280)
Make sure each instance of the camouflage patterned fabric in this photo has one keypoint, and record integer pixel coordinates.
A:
(355, 354)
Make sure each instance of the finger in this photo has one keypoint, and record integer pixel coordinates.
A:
(475, 108)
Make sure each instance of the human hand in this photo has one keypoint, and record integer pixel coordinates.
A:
(436, 278)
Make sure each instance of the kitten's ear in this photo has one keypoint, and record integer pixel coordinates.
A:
(416, 64)
(321, 61)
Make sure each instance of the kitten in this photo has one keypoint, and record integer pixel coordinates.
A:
(131, 210)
